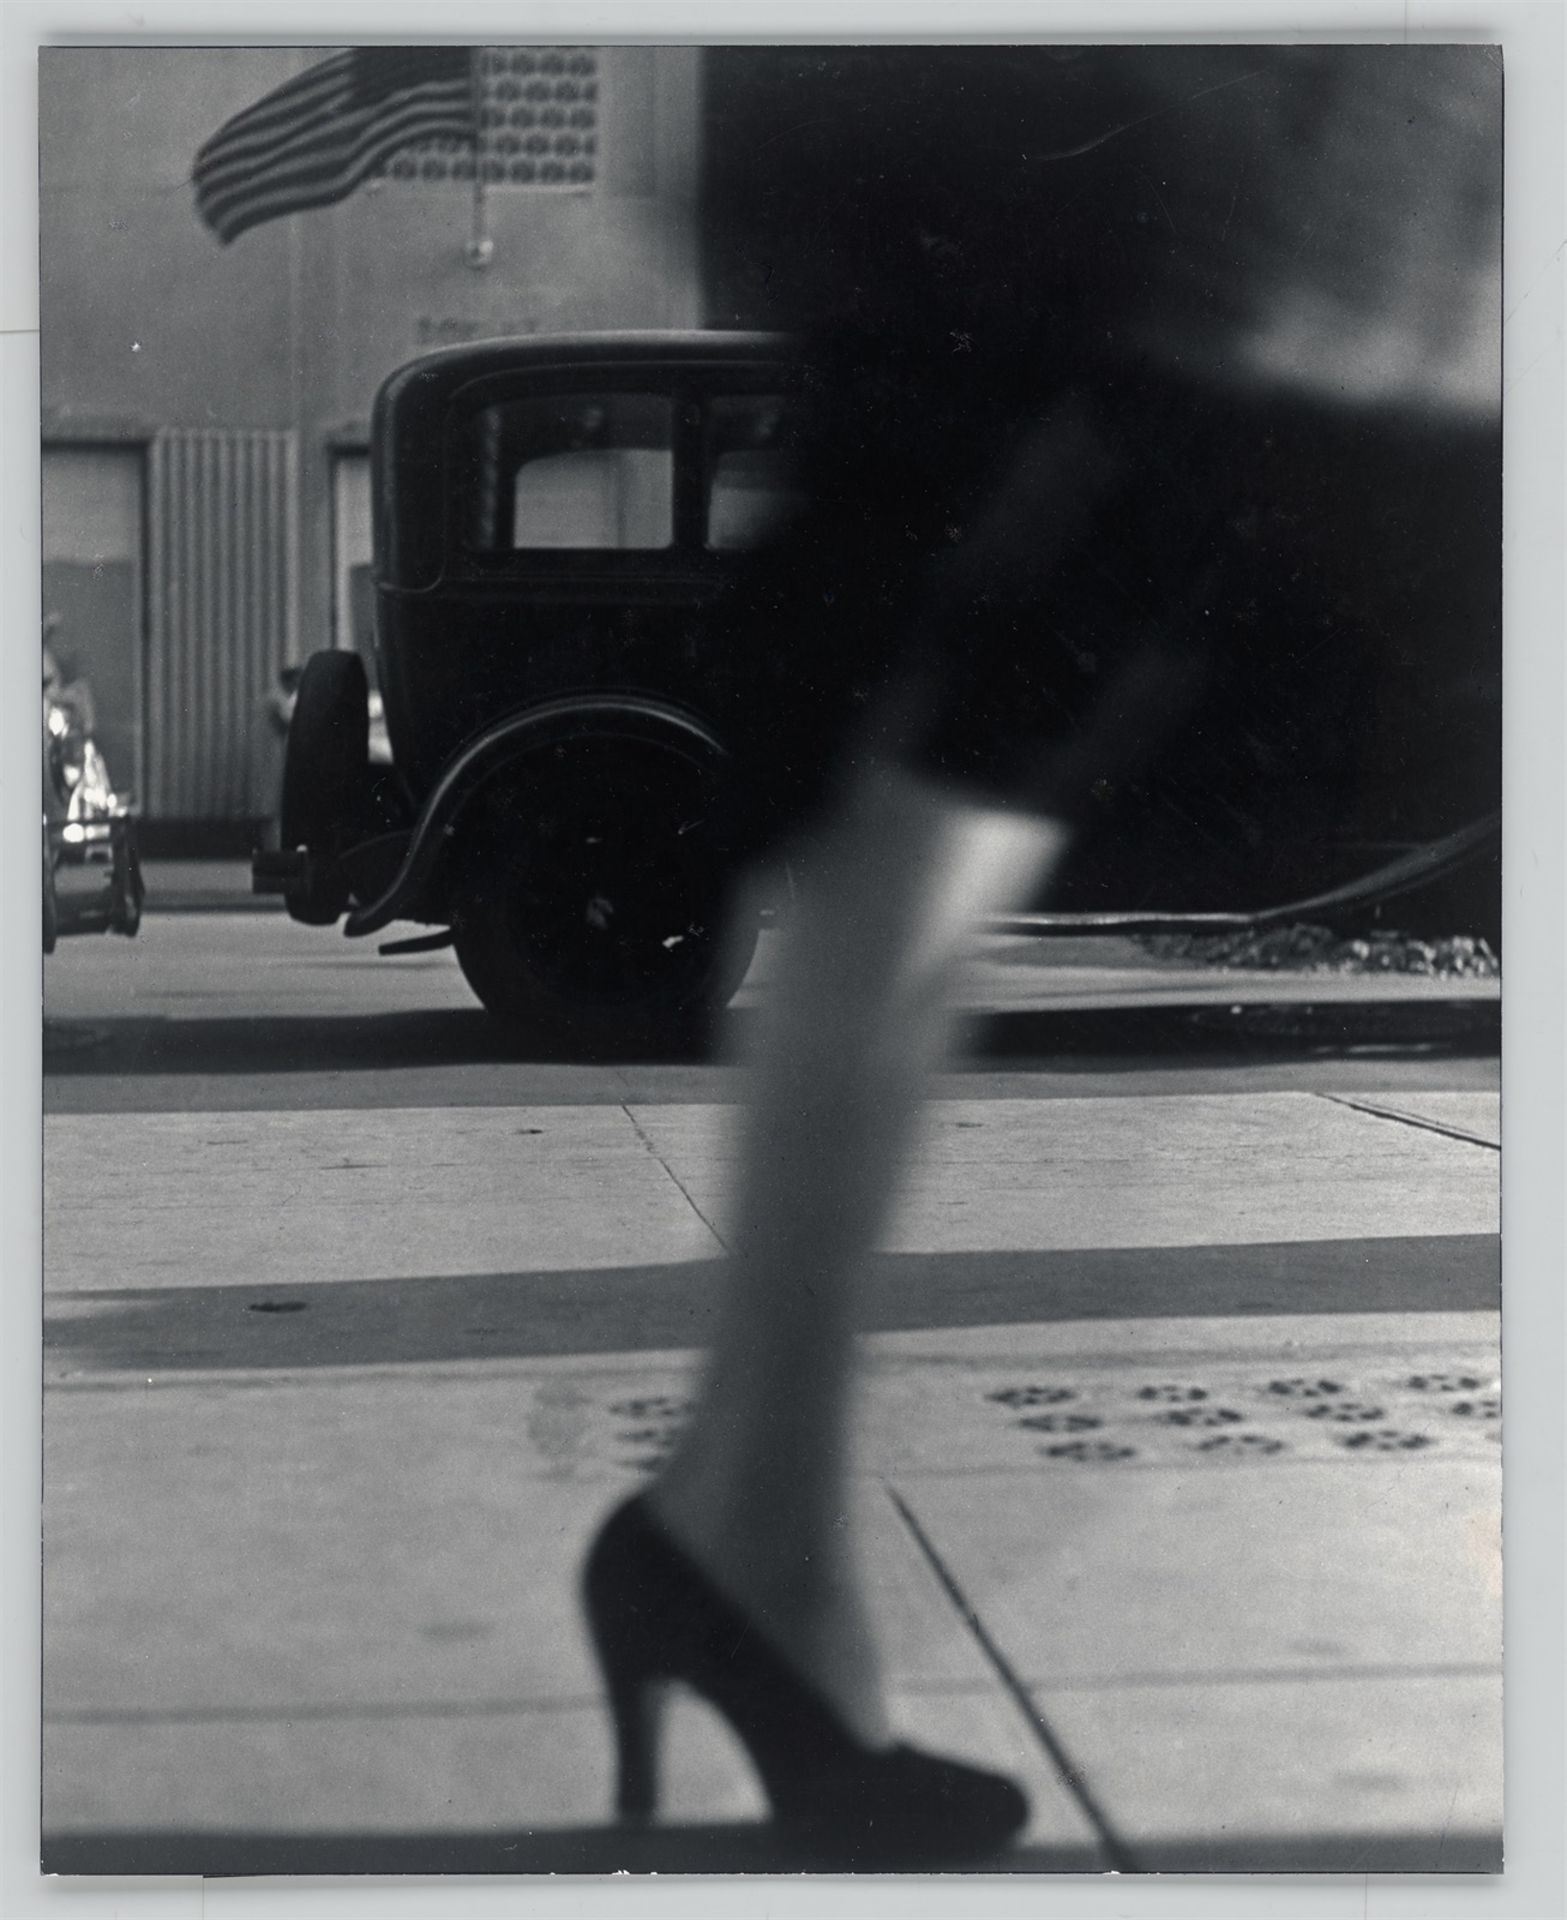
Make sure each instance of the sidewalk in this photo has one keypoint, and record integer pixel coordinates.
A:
(1180, 1480)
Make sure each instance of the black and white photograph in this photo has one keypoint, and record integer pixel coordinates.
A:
(772, 989)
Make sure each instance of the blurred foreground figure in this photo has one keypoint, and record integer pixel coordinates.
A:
(1080, 322)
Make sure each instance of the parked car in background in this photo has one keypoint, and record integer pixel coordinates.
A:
(91, 876)
(557, 523)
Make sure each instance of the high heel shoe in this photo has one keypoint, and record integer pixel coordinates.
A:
(655, 1617)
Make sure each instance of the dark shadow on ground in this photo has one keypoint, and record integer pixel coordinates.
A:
(752, 1848)
(496, 1316)
(1086, 1040)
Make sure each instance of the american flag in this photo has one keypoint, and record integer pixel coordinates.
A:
(313, 140)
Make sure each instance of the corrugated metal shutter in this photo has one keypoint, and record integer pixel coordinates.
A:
(222, 576)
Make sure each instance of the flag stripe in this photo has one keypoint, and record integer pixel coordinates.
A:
(329, 121)
(382, 70)
(331, 131)
(283, 103)
(300, 198)
(248, 157)
(308, 159)
(318, 163)
(320, 185)
(314, 139)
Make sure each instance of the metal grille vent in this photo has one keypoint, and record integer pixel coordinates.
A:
(1200, 1417)
(1237, 1414)
(221, 581)
(1032, 1396)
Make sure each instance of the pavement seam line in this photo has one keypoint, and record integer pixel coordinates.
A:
(450, 1709)
(288, 1712)
(647, 1140)
(1411, 1120)
(1118, 1855)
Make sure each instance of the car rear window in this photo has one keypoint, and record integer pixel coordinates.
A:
(754, 481)
(574, 471)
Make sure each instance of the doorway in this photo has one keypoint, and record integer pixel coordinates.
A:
(94, 591)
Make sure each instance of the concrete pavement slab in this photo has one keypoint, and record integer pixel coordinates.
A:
(331, 1195)
(1240, 1647)
(1397, 1774)
(1320, 1401)
(195, 1679)
(1200, 1574)
(441, 1072)
(445, 1519)
(436, 1319)
(524, 1791)
(1173, 1171)
(498, 1772)
(1475, 1115)
(1138, 1394)
(1319, 1493)
(474, 1771)
(253, 1198)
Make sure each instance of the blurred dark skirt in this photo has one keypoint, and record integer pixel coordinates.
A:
(1048, 593)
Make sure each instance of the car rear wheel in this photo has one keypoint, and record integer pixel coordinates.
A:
(326, 770)
(595, 911)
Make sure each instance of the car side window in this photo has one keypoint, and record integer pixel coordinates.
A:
(577, 471)
(755, 487)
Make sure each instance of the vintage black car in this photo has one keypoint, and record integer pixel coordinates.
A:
(571, 679)
(556, 525)
(91, 873)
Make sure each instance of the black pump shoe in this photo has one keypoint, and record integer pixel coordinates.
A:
(655, 1617)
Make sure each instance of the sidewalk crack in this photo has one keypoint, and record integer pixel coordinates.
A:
(685, 1192)
(1447, 1131)
(1118, 1855)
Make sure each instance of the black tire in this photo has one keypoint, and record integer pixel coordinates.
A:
(595, 912)
(132, 893)
(51, 899)
(326, 774)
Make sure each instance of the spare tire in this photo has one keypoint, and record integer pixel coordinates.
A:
(594, 905)
(326, 779)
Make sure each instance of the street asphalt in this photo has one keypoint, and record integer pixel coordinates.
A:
(1179, 1473)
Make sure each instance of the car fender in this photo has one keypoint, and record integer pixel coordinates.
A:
(635, 715)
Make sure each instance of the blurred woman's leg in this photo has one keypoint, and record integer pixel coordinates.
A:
(757, 1490)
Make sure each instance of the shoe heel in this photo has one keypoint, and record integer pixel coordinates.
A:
(636, 1711)
(655, 1620)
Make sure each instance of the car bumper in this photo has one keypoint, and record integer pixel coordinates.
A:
(92, 877)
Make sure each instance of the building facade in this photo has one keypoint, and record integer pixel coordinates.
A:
(205, 408)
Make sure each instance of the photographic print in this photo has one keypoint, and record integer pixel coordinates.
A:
(772, 920)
